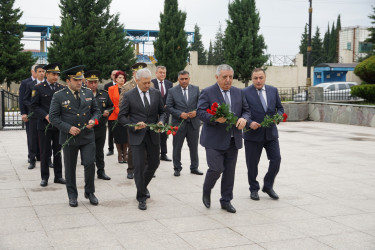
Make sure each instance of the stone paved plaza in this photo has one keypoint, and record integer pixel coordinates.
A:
(326, 186)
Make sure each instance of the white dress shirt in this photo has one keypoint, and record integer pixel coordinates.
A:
(264, 94)
(142, 95)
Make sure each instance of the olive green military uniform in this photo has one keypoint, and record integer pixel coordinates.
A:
(66, 111)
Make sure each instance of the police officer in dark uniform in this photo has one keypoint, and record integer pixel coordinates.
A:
(105, 105)
(40, 102)
(73, 111)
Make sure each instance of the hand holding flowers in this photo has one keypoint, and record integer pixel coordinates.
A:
(222, 114)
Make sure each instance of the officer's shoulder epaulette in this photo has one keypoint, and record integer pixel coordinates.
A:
(106, 91)
(39, 84)
(86, 88)
(60, 90)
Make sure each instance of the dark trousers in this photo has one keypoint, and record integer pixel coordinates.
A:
(221, 162)
(163, 143)
(187, 131)
(51, 139)
(34, 152)
(28, 136)
(253, 152)
(110, 135)
(70, 163)
(142, 173)
(100, 136)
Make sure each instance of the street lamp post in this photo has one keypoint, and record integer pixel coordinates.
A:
(309, 49)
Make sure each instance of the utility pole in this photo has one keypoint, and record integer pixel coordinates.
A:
(309, 49)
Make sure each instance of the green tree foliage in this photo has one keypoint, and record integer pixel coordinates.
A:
(332, 45)
(197, 45)
(365, 91)
(210, 55)
(303, 45)
(218, 48)
(371, 39)
(91, 36)
(326, 42)
(171, 45)
(317, 55)
(244, 46)
(366, 70)
(15, 65)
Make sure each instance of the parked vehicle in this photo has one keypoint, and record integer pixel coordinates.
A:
(332, 91)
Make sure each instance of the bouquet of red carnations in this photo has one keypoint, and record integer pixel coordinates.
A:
(222, 110)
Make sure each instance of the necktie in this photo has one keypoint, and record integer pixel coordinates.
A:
(185, 96)
(227, 98)
(262, 100)
(53, 87)
(77, 97)
(145, 100)
(161, 89)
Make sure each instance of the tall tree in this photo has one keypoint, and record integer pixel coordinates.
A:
(338, 29)
(197, 45)
(317, 48)
(14, 64)
(210, 55)
(326, 42)
(218, 48)
(244, 46)
(332, 45)
(91, 36)
(303, 45)
(171, 45)
(371, 39)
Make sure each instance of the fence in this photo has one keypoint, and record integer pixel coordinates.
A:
(10, 111)
(298, 94)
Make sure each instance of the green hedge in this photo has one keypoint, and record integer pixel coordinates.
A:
(365, 91)
(366, 70)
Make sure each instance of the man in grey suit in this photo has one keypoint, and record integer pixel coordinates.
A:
(141, 106)
(222, 145)
(182, 104)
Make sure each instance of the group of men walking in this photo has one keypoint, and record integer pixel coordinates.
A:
(79, 115)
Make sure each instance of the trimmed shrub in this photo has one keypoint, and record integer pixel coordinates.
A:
(365, 91)
(366, 70)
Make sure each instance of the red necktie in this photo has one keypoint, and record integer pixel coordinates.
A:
(161, 89)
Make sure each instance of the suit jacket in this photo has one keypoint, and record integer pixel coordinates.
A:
(214, 134)
(104, 103)
(133, 111)
(65, 113)
(28, 94)
(257, 113)
(23, 108)
(176, 104)
(41, 98)
(167, 84)
(107, 85)
(115, 98)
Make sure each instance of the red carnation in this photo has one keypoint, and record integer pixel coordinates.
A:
(169, 132)
(96, 122)
(285, 117)
(176, 128)
(215, 105)
(174, 133)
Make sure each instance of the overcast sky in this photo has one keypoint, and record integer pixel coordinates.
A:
(282, 21)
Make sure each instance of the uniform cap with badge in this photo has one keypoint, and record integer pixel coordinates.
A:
(138, 66)
(75, 72)
(92, 75)
(52, 68)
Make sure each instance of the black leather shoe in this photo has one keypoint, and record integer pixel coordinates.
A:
(31, 166)
(59, 180)
(177, 172)
(254, 195)
(130, 176)
(142, 205)
(196, 171)
(50, 164)
(73, 202)
(93, 200)
(44, 183)
(103, 176)
(271, 193)
(110, 152)
(228, 206)
(207, 200)
(164, 158)
(148, 194)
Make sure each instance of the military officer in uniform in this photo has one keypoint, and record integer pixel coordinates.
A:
(48, 135)
(73, 111)
(129, 85)
(105, 105)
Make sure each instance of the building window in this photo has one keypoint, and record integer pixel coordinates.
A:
(349, 46)
(364, 47)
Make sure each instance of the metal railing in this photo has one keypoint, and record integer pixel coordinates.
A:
(10, 111)
(297, 94)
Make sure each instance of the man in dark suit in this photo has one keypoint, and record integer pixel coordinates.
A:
(110, 123)
(25, 112)
(163, 86)
(104, 104)
(141, 106)
(182, 104)
(34, 149)
(263, 100)
(221, 145)
(73, 111)
(40, 104)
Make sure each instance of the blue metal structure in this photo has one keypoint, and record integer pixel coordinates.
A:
(332, 72)
(135, 36)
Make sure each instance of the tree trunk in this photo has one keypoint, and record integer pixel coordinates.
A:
(246, 83)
